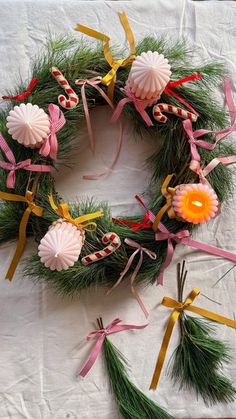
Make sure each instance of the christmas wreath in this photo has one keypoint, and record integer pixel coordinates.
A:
(165, 97)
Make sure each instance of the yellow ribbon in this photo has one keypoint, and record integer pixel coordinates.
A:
(32, 207)
(110, 78)
(178, 308)
(63, 211)
(168, 193)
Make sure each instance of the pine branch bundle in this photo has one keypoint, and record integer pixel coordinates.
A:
(199, 357)
(131, 402)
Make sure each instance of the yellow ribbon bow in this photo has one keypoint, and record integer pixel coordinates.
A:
(32, 207)
(168, 193)
(63, 211)
(110, 78)
(178, 309)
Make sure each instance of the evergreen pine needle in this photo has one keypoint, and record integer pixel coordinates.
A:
(198, 361)
(131, 402)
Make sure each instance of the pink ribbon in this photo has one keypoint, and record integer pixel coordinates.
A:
(141, 250)
(57, 121)
(202, 173)
(12, 166)
(183, 238)
(100, 335)
(219, 135)
(139, 104)
(93, 82)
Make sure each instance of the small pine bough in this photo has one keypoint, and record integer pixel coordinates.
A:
(199, 358)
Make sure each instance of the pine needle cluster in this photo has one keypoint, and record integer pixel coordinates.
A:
(199, 358)
(131, 402)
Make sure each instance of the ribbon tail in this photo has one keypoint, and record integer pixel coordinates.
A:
(20, 245)
(117, 154)
(11, 179)
(212, 250)
(133, 289)
(92, 357)
(212, 316)
(87, 117)
(168, 259)
(54, 147)
(119, 108)
(162, 353)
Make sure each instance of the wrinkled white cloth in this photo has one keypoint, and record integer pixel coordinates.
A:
(41, 333)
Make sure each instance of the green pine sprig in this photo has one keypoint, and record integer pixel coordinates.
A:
(199, 358)
(131, 402)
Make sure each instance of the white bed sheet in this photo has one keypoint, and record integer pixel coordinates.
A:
(40, 332)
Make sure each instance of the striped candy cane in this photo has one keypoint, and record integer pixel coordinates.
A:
(164, 107)
(73, 100)
(115, 243)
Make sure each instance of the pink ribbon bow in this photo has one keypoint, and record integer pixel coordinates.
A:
(12, 166)
(100, 335)
(183, 238)
(93, 82)
(57, 121)
(139, 104)
(202, 173)
(141, 250)
(219, 135)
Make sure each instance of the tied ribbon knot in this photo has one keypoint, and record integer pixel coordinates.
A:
(100, 335)
(12, 166)
(183, 238)
(141, 251)
(23, 95)
(202, 173)
(171, 239)
(63, 211)
(110, 78)
(219, 135)
(139, 104)
(57, 121)
(31, 208)
(178, 307)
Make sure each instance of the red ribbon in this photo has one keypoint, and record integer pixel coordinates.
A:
(135, 225)
(22, 96)
(169, 91)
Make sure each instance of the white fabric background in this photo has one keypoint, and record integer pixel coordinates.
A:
(40, 334)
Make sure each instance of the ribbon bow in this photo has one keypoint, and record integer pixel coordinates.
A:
(168, 193)
(141, 250)
(63, 211)
(57, 121)
(178, 308)
(139, 104)
(12, 166)
(219, 135)
(202, 173)
(110, 78)
(169, 89)
(23, 95)
(31, 208)
(100, 335)
(183, 238)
